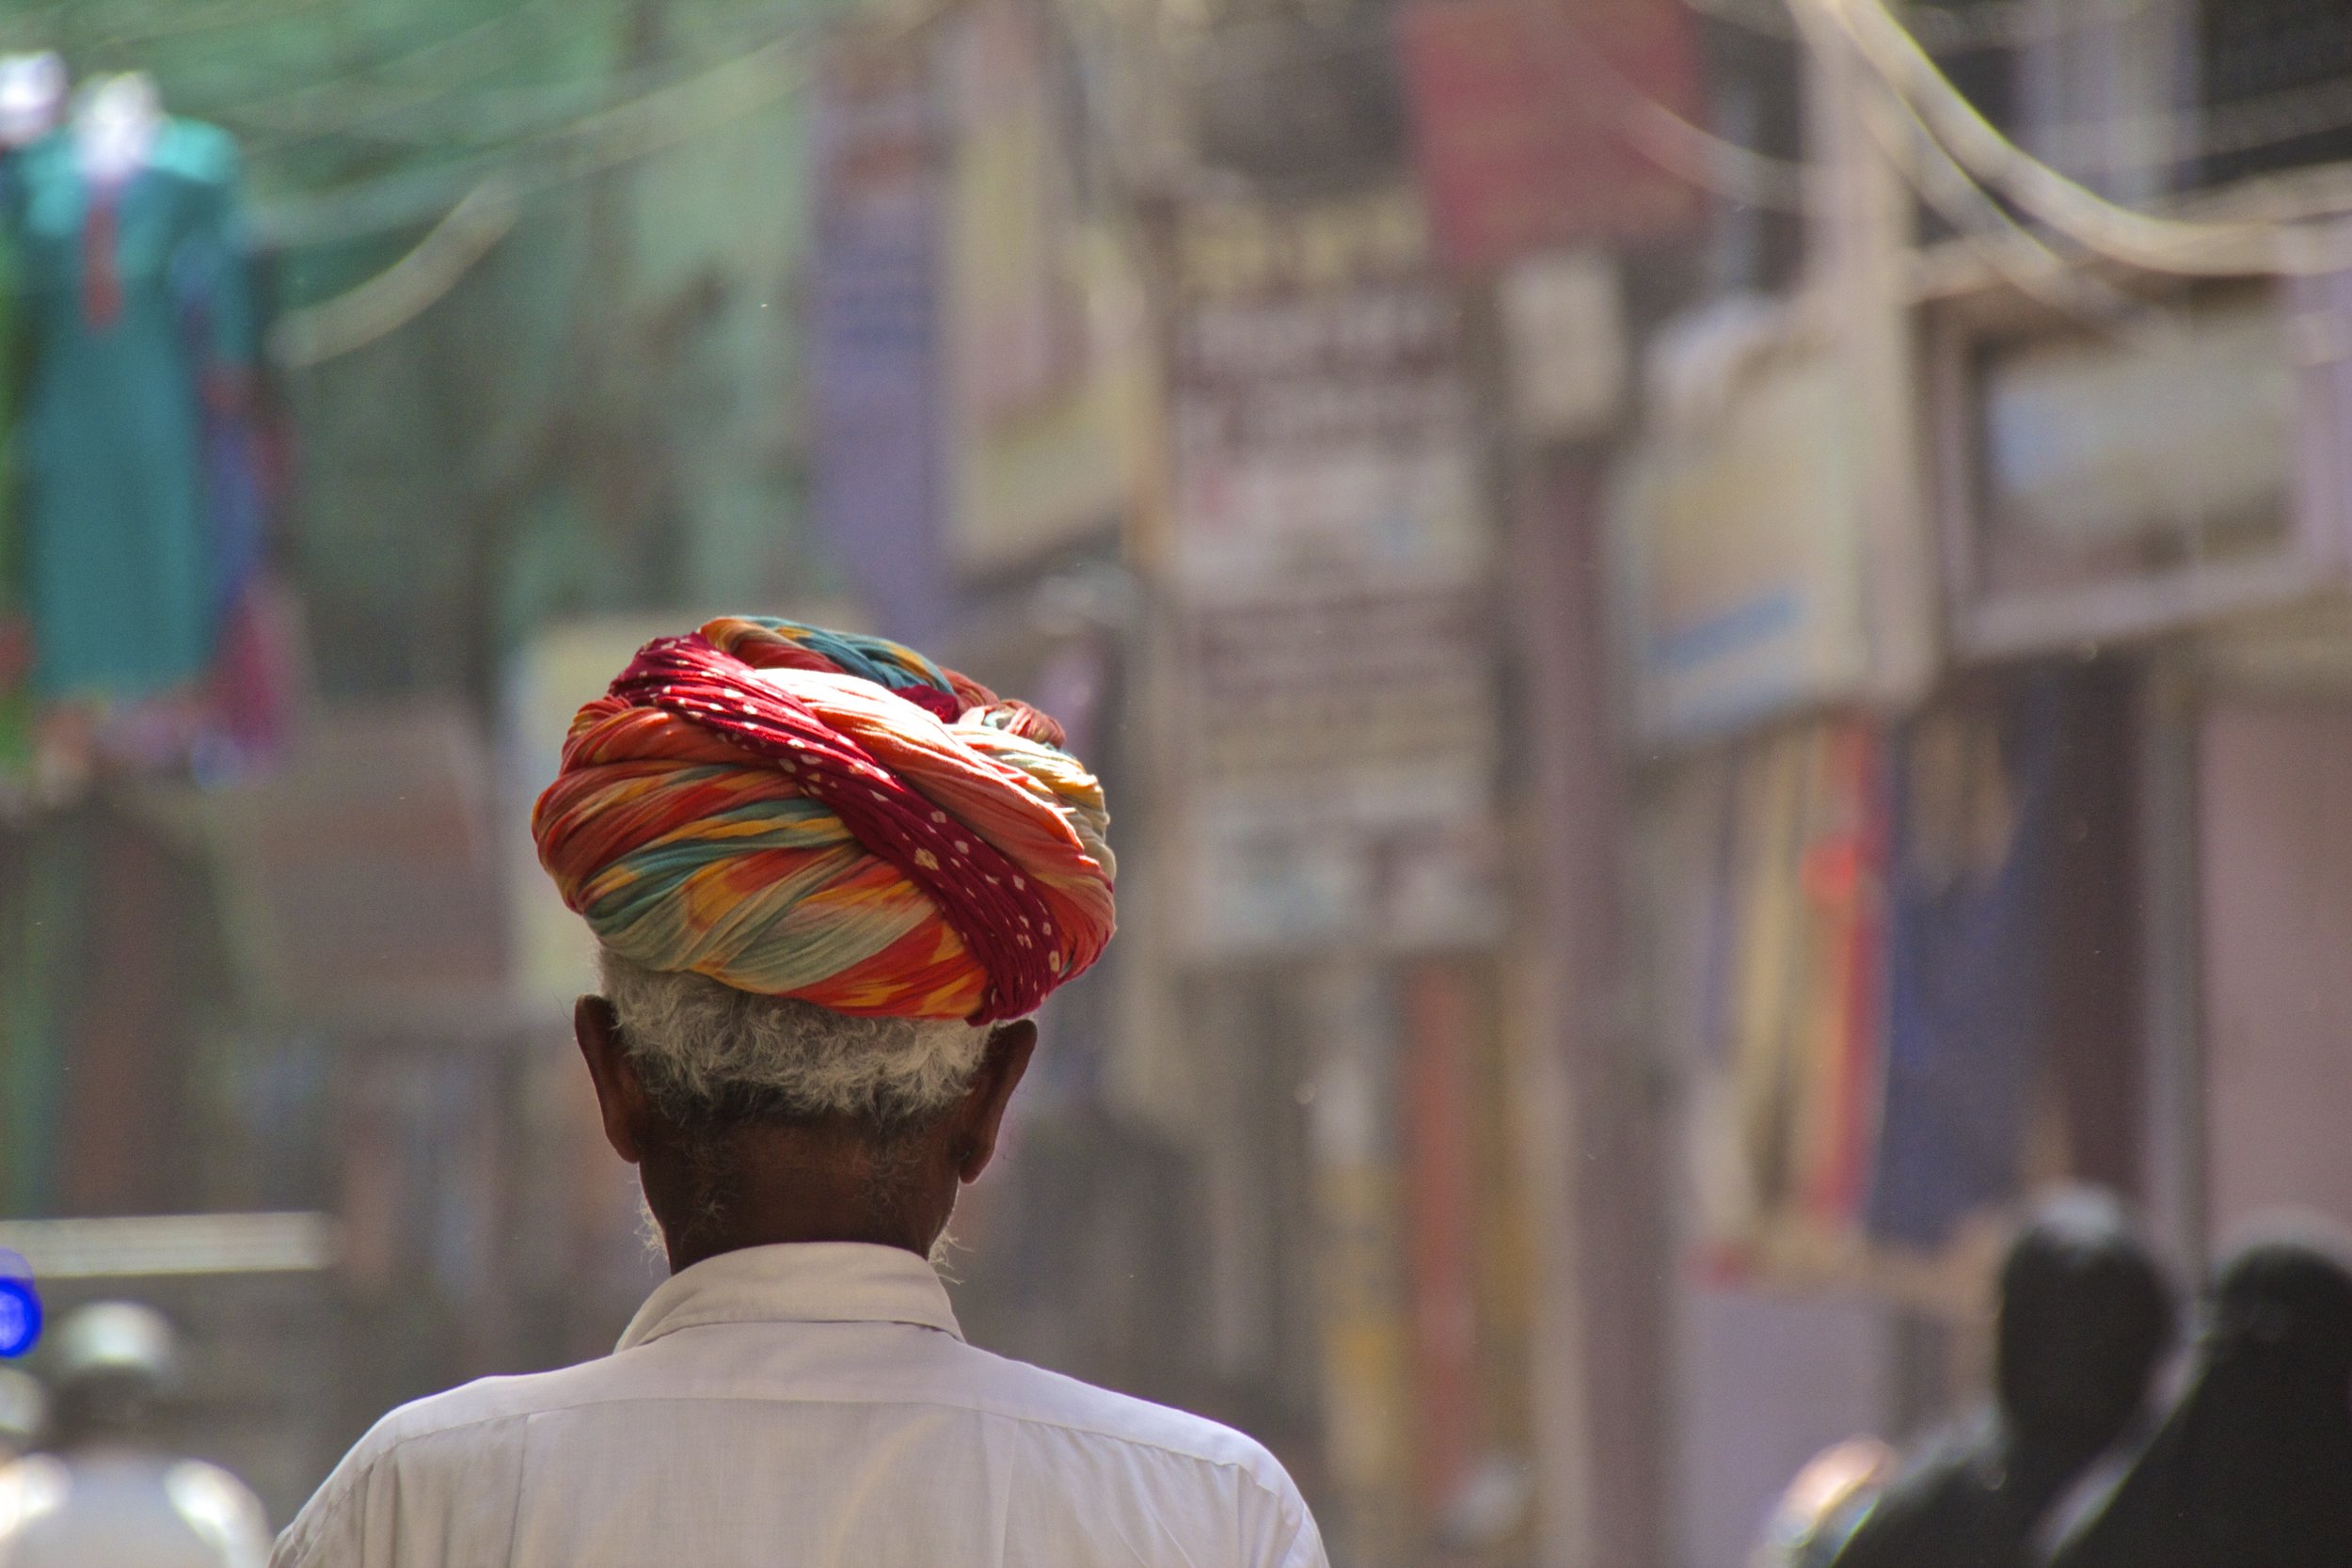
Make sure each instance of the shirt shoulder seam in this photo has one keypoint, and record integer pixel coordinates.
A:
(332, 1507)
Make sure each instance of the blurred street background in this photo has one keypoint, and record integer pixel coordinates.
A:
(1720, 634)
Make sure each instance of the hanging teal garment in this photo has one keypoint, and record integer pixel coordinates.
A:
(16, 692)
(121, 569)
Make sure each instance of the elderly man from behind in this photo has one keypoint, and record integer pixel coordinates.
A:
(830, 881)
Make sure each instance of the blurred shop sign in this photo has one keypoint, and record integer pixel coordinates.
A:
(1069, 466)
(1525, 114)
(1045, 341)
(1329, 558)
(1339, 676)
(1342, 739)
(2119, 484)
(875, 350)
(1321, 421)
(1564, 338)
(1737, 528)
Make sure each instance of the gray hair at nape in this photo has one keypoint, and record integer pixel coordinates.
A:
(710, 1053)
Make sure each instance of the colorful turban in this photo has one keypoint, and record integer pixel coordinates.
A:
(803, 813)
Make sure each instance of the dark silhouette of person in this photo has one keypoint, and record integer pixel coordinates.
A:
(2252, 1467)
(2086, 1315)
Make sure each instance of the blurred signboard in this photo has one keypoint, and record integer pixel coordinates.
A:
(1320, 419)
(1564, 343)
(1342, 739)
(1329, 557)
(1033, 479)
(1044, 335)
(1525, 119)
(2123, 484)
(875, 350)
(1738, 526)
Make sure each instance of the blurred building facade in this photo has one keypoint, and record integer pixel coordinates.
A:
(1711, 668)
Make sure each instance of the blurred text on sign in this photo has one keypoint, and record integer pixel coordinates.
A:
(1330, 555)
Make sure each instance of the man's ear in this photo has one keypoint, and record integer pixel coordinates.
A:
(620, 1093)
(1003, 1061)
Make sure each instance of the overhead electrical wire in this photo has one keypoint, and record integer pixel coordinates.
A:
(1945, 29)
(1979, 220)
(445, 118)
(2237, 248)
(1947, 125)
(582, 146)
(1984, 226)
(474, 226)
(280, 114)
(1992, 235)
(402, 292)
(471, 228)
(71, 22)
(1722, 167)
(2246, 125)
(179, 22)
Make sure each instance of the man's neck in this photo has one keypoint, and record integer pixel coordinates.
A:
(760, 1185)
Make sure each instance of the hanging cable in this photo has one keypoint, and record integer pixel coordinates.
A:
(488, 210)
(404, 290)
(2246, 125)
(1980, 222)
(1990, 232)
(1673, 142)
(426, 117)
(2227, 248)
(1946, 29)
(1722, 167)
(282, 112)
(179, 22)
(586, 146)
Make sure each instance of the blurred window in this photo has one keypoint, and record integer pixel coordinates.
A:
(2277, 86)
(1755, 88)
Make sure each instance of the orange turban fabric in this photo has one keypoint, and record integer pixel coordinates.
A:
(802, 812)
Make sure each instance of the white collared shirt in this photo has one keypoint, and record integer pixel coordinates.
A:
(790, 1406)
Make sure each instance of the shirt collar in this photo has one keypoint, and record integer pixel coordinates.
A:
(809, 1282)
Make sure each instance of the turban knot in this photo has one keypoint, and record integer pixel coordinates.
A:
(802, 812)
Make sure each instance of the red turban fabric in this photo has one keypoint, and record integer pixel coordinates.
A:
(802, 812)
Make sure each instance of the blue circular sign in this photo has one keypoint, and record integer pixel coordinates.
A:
(20, 1317)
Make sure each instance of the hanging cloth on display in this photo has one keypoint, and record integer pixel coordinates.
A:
(17, 710)
(1969, 956)
(1794, 1023)
(32, 94)
(128, 232)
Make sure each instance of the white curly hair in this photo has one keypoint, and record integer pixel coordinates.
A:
(707, 1052)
